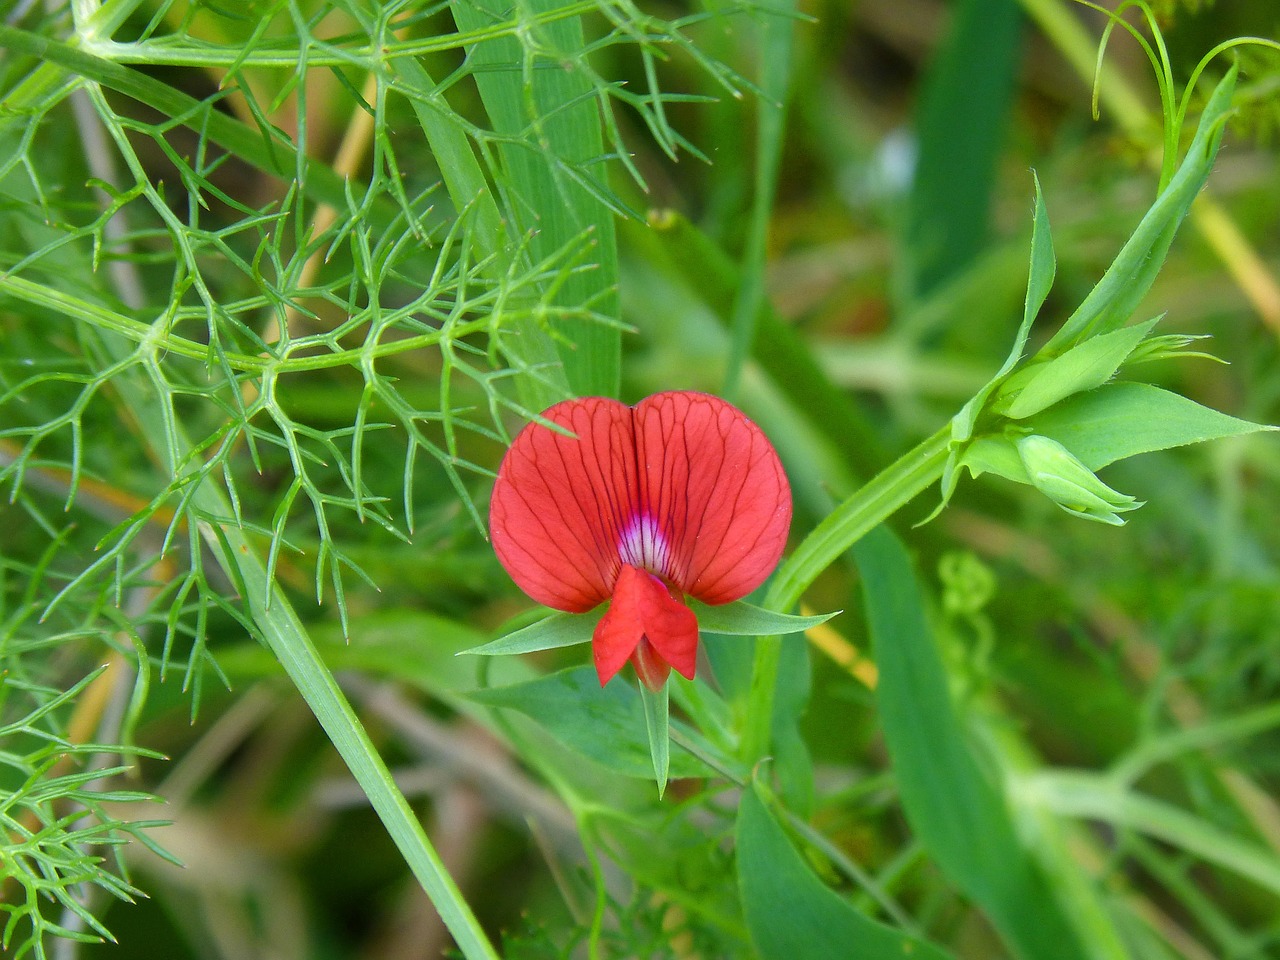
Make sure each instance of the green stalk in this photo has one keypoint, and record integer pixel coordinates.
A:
(1066, 31)
(878, 500)
(268, 607)
(247, 143)
(287, 638)
(1099, 797)
(776, 22)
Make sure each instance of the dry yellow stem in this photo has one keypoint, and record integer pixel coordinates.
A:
(845, 655)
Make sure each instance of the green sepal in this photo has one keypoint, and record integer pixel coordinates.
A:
(568, 629)
(1083, 367)
(1170, 346)
(742, 619)
(556, 630)
(1044, 265)
(657, 721)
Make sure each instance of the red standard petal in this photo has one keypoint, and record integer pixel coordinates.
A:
(713, 484)
(560, 503)
(643, 608)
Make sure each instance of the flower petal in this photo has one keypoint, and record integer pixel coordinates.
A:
(713, 484)
(644, 609)
(560, 503)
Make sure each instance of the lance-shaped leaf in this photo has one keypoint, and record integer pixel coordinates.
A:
(954, 806)
(792, 915)
(1123, 420)
(740, 619)
(556, 630)
(657, 723)
(607, 724)
(1044, 265)
(1083, 367)
(1110, 304)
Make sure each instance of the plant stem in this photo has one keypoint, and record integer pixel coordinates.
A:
(1219, 230)
(775, 27)
(1099, 797)
(884, 494)
(286, 636)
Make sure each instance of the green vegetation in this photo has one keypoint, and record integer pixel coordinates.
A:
(278, 282)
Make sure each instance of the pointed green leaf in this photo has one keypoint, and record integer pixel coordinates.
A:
(606, 724)
(996, 454)
(1110, 304)
(744, 620)
(792, 915)
(957, 811)
(657, 723)
(1125, 419)
(1044, 265)
(557, 630)
(567, 629)
(1085, 366)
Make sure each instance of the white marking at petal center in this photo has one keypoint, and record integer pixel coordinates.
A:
(643, 545)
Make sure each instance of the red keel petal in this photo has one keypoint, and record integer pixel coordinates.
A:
(560, 503)
(713, 483)
(644, 609)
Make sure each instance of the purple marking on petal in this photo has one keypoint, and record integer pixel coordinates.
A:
(643, 545)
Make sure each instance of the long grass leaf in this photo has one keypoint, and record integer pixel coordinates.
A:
(775, 23)
(958, 812)
(552, 112)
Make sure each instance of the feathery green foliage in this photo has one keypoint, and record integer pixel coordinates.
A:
(279, 279)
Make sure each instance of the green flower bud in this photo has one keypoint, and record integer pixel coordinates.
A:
(1171, 345)
(1059, 475)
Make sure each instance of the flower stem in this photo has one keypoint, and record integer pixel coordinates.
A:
(875, 502)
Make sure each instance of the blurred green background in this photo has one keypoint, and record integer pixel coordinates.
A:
(893, 264)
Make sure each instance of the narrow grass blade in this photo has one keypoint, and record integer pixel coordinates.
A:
(963, 113)
(1072, 794)
(526, 95)
(288, 640)
(955, 809)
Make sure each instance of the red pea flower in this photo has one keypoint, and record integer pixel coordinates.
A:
(680, 494)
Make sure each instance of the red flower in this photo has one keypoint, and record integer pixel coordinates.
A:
(680, 494)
